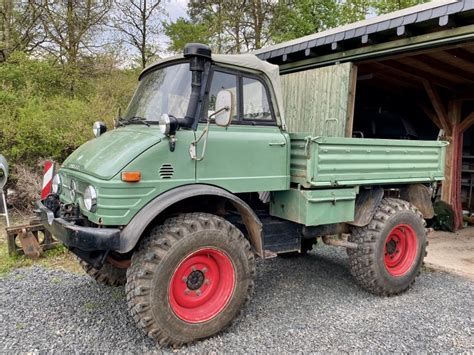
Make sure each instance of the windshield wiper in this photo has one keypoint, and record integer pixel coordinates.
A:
(133, 120)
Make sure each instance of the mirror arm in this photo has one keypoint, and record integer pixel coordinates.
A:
(205, 132)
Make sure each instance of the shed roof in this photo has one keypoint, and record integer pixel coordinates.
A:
(425, 18)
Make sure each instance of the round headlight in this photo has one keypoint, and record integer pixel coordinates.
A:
(72, 190)
(56, 184)
(165, 124)
(99, 128)
(90, 198)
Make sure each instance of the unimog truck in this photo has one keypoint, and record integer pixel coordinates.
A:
(201, 176)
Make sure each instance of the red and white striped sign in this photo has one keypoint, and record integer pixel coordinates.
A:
(47, 179)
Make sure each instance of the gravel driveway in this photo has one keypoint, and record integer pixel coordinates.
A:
(304, 304)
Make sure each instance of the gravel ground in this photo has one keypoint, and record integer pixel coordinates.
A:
(304, 304)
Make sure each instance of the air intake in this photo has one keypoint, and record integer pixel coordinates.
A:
(166, 171)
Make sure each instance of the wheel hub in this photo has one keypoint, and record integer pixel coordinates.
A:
(195, 280)
(391, 246)
(202, 285)
(400, 250)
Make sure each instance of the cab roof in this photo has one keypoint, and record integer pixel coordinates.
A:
(243, 61)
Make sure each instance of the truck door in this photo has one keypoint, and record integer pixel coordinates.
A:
(251, 154)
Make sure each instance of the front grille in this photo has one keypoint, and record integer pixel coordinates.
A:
(166, 171)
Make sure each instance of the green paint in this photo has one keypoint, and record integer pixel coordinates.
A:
(314, 207)
(324, 172)
(245, 158)
(339, 161)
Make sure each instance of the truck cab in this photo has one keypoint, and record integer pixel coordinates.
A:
(201, 176)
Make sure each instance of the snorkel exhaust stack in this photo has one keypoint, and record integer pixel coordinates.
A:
(199, 54)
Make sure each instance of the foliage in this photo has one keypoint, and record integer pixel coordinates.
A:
(385, 6)
(183, 31)
(39, 117)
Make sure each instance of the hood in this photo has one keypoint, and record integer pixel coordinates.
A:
(107, 155)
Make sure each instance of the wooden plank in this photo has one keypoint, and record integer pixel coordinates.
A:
(438, 106)
(317, 101)
(351, 101)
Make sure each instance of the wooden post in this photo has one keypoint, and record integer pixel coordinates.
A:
(451, 189)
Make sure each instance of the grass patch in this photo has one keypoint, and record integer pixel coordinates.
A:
(58, 258)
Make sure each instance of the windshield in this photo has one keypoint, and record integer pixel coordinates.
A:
(165, 90)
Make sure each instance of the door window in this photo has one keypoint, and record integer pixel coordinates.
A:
(255, 101)
(223, 81)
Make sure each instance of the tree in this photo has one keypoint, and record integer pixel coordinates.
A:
(69, 25)
(138, 22)
(298, 18)
(385, 6)
(234, 26)
(183, 31)
(354, 10)
(20, 28)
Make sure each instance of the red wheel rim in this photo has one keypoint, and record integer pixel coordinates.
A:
(202, 285)
(400, 250)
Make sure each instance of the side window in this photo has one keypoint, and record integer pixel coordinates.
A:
(255, 101)
(222, 81)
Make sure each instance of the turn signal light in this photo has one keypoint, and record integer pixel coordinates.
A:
(131, 176)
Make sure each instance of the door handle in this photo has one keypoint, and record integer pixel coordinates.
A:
(279, 144)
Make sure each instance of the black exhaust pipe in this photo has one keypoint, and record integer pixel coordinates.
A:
(199, 54)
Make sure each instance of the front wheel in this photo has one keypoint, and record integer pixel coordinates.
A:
(390, 248)
(190, 278)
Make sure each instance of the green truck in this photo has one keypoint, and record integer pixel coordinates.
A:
(201, 176)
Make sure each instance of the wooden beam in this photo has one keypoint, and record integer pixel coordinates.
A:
(466, 123)
(438, 106)
(443, 67)
(417, 74)
(431, 115)
(461, 54)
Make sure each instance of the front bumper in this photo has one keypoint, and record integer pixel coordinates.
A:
(74, 236)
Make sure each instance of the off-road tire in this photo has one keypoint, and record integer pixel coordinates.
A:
(162, 253)
(108, 275)
(367, 261)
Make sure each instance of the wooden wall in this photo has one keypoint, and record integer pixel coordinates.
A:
(320, 101)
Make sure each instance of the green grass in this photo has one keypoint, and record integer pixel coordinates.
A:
(58, 258)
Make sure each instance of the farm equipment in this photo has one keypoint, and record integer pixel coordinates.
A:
(201, 176)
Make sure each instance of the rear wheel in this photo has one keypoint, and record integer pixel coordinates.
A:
(390, 249)
(190, 278)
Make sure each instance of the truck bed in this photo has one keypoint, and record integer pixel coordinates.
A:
(337, 161)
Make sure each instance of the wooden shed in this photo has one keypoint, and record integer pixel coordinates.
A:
(408, 74)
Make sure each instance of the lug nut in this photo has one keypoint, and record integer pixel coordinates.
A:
(193, 268)
(206, 281)
(186, 292)
(204, 269)
(198, 293)
(185, 279)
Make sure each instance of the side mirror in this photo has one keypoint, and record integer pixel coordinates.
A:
(99, 128)
(224, 101)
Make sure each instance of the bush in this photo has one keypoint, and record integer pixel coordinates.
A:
(41, 117)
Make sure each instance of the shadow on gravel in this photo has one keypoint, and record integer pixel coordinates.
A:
(303, 304)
